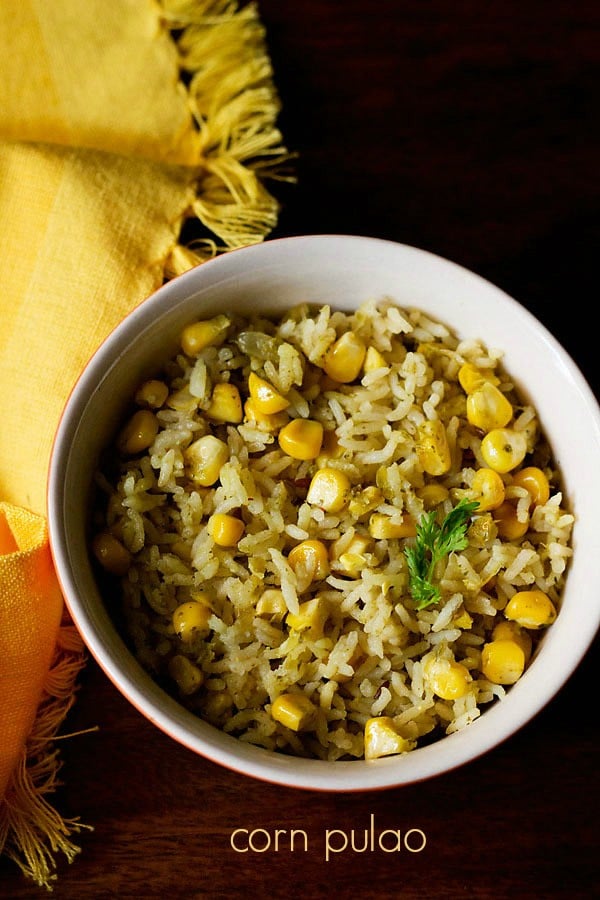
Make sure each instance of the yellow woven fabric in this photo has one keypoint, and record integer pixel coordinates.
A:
(106, 151)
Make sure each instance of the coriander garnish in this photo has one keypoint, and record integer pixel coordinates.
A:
(432, 543)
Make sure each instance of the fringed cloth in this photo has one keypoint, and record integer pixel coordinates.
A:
(125, 126)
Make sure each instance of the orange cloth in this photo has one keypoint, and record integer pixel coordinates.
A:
(31, 615)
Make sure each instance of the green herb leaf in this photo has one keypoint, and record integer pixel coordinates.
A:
(434, 542)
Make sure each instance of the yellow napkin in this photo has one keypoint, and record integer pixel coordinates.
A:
(123, 124)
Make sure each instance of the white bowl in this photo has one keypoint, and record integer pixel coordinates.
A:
(342, 271)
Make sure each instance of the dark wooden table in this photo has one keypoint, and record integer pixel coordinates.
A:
(469, 129)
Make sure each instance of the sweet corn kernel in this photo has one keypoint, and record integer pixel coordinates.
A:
(364, 502)
(535, 483)
(199, 335)
(488, 408)
(271, 603)
(264, 396)
(185, 674)
(225, 404)
(471, 378)
(343, 361)
(216, 705)
(463, 620)
(295, 711)
(350, 560)
(382, 527)
(512, 631)
(502, 661)
(503, 449)
(329, 490)
(446, 678)
(531, 609)
(225, 530)
(382, 738)
(310, 560)
(182, 549)
(205, 459)
(488, 488)
(272, 422)
(182, 400)
(509, 527)
(190, 620)
(433, 449)
(432, 495)
(152, 393)
(111, 554)
(311, 617)
(138, 433)
(373, 360)
(330, 449)
(301, 438)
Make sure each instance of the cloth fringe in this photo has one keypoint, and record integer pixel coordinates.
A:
(227, 70)
(31, 830)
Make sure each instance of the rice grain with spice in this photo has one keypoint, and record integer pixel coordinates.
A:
(258, 506)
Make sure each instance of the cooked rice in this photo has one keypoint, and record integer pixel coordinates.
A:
(368, 658)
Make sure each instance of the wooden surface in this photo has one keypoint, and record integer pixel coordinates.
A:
(469, 129)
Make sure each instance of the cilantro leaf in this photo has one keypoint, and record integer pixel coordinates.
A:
(434, 542)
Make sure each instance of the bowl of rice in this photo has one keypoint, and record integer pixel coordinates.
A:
(318, 508)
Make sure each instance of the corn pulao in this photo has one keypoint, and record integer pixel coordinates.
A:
(258, 508)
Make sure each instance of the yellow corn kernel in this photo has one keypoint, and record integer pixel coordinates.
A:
(531, 609)
(330, 449)
(185, 674)
(225, 404)
(535, 483)
(368, 499)
(265, 422)
(432, 495)
(311, 617)
(382, 738)
(138, 433)
(190, 620)
(373, 361)
(471, 378)
(295, 711)
(433, 449)
(502, 661)
(488, 408)
(384, 528)
(264, 396)
(446, 678)
(199, 335)
(343, 361)
(111, 554)
(205, 458)
(509, 527)
(512, 631)
(503, 449)
(216, 705)
(488, 488)
(182, 549)
(463, 620)
(301, 438)
(350, 560)
(182, 400)
(225, 530)
(310, 559)
(329, 490)
(271, 603)
(152, 393)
